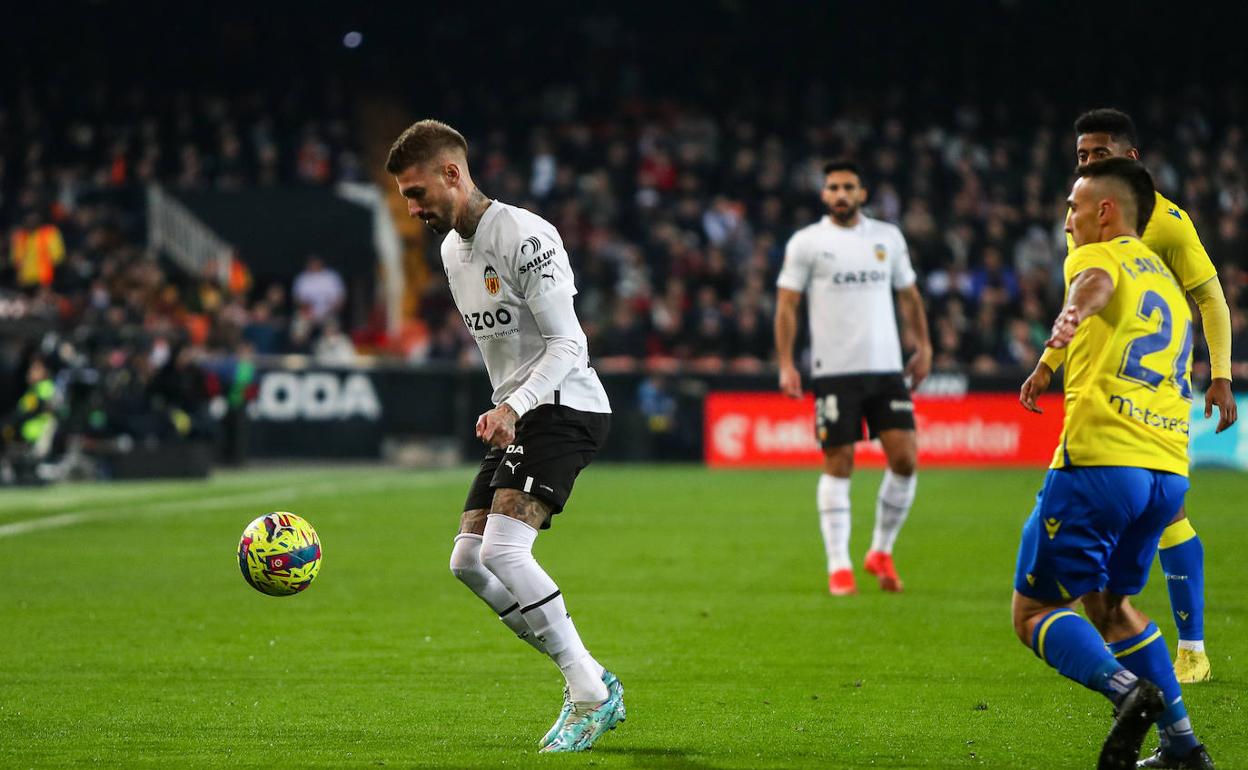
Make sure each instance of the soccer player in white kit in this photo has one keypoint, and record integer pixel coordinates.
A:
(512, 282)
(850, 265)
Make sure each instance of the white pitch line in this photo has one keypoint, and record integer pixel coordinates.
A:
(47, 522)
(165, 507)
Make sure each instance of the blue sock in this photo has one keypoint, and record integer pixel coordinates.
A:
(1146, 655)
(1183, 561)
(1070, 644)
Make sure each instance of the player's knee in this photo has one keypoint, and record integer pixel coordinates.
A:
(1105, 612)
(839, 462)
(496, 555)
(1023, 625)
(903, 465)
(466, 561)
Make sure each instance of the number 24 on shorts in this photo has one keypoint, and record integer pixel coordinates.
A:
(826, 409)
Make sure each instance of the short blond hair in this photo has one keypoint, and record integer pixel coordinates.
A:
(421, 142)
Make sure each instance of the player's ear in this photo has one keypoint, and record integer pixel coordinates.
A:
(1133, 154)
(1105, 211)
(450, 172)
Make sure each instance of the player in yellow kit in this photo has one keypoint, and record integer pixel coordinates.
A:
(1105, 133)
(1119, 472)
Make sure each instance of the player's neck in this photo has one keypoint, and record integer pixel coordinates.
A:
(474, 209)
(1120, 231)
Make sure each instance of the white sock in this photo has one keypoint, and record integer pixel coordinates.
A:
(1195, 645)
(507, 551)
(891, 508)
(466, 565)
(832, 496)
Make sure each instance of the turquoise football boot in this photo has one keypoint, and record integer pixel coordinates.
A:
(613, 686)
(564, 711)
(585, 724)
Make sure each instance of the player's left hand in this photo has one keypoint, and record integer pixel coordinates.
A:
(919, 366)
(1064, 328)
(1034, 386)
(497, 427)
(1219, 393)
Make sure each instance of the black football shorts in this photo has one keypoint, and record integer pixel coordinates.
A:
(553, 445)
(844, 402)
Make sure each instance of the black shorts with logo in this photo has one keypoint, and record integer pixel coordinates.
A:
(843, 402)
(553, 445)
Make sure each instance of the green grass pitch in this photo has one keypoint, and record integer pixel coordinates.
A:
(129, 638)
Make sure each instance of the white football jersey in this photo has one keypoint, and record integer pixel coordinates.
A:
(849, 275)
(513, 265)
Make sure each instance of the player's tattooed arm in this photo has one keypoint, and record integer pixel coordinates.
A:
(497, 427)
(521, 506)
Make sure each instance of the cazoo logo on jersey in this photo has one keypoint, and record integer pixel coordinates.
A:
(286, 396)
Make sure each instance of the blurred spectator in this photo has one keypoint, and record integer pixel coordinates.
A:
(36, 248)
(263, 332)
(319, 291)
(333, 346)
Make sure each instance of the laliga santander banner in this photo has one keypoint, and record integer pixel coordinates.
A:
(769, 429)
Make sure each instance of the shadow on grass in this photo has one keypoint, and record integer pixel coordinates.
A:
(666, 758)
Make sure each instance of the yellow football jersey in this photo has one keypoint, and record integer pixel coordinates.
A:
(1128, 369)
(1171, 235)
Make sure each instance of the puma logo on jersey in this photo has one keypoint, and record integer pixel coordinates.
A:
(512, 465)
(548, 275)
(1174, 213)
(1052, 526)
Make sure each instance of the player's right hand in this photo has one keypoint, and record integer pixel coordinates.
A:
(790, 382)
(1064, 327)
(1033, 386)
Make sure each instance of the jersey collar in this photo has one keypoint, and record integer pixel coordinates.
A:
(862, 223)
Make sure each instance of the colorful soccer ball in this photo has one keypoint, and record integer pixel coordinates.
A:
(279, 554)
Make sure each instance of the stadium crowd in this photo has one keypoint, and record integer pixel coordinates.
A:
(675, 219)
(126, 334)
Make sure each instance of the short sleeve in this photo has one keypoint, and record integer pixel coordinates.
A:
(1172, 235)
(903, 271)
(1089, 256)
(541, 270)
(795, 274)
